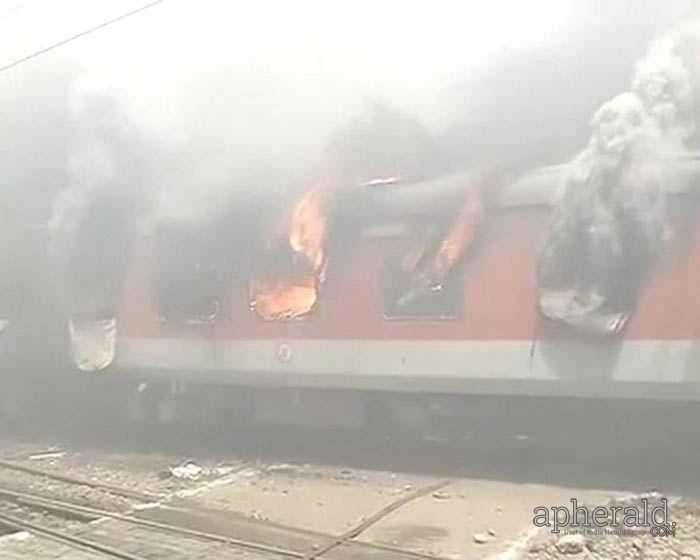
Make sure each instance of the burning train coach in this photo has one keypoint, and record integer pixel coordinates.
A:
(477, 289)
(578, 279)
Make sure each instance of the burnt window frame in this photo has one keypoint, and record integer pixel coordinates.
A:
(392, 268)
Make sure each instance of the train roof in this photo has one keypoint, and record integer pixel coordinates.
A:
(538, 187)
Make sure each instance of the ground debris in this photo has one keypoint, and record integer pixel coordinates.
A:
(189, 470)
(54, 454)
(482, 538)
(571, 544)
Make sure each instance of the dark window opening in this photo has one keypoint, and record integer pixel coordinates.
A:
(188, 277)
(285, 285)
(404, 297)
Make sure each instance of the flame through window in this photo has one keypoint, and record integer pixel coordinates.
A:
(291, 291)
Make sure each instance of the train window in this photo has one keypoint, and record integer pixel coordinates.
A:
(406, 297)
(285, 287)
(187, 277)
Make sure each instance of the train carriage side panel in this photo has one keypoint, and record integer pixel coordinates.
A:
(495, 342)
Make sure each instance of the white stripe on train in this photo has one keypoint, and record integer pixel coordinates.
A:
(634, 368)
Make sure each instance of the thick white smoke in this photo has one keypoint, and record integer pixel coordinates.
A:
(609, 226)
(207, 112)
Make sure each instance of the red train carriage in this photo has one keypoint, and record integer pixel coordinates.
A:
(478, 332)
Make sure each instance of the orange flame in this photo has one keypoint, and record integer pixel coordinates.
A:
(290, 298)
(431, 272)
(283, 299)
(308, 230)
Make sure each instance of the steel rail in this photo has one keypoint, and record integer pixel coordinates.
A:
(332, 541)
(34, 500)
(348, 536)
(124, 492)
(65, 538)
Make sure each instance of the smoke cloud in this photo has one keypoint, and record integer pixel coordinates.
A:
(609, 226)
(204, 117)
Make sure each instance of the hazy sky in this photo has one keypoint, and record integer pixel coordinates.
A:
(306, 50)
(286, 53)
(239, 84)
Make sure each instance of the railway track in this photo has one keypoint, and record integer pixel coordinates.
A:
(116, 490)
(185, 534)
(63, 537)
(139, 545)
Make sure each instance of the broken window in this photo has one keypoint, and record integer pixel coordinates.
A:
(293, 269)
(285, 286)
(426, 282)
(607, 229)
(90, 247)
(407, 293)
(188, 274)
